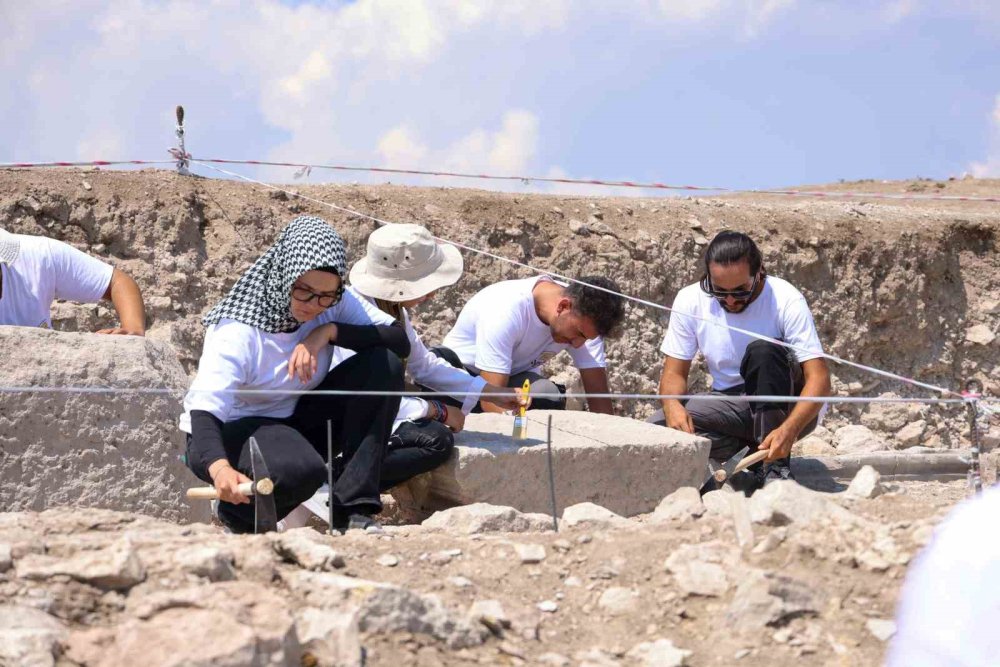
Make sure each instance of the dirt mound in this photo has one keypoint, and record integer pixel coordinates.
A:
(731, 580)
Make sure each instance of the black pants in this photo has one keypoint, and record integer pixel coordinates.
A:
(539, 383)
(295, 448)
(767, 370)
(416, 447)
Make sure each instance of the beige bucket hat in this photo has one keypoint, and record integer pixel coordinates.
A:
(9, 247)
(404, 262)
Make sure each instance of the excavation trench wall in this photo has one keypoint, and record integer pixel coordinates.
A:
(908, 286)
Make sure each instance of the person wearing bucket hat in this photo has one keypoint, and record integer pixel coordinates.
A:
(295, 290)
(34, 271)
(404, 267)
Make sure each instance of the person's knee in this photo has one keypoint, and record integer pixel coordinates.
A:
(555, 399)
(384, 368)
(439, 443)
(765, 351)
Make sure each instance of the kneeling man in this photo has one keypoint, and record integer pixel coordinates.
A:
(735, 291)
(508, 330)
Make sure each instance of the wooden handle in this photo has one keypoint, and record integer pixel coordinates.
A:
(750, 460)
(720, 475)
(265, 487)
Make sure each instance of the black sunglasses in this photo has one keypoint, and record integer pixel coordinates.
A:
(306, 295)
(722, 294)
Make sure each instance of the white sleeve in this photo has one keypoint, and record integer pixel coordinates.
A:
(497, 333)
(354, 309)
(224, 365)
(411, 408)
(76, 275)
(589, 355)
(432, 371)
(800, 330)
(680, 341)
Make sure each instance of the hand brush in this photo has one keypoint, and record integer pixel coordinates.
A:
(520, 421)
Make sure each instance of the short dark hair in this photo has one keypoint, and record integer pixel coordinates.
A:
(729, 247)
(604, 309)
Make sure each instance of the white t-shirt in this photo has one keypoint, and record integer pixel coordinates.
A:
(779, 312)
(44, 270)
(425, 368)
(238, 356)
(950, 601)
(499, 331)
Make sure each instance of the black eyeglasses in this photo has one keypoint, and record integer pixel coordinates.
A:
(723, 294)
(306, 295)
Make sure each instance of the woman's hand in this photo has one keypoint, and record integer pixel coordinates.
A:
(304, 359)
(508, 398)
(226, 480)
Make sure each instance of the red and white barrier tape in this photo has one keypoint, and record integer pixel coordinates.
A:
(529, 179)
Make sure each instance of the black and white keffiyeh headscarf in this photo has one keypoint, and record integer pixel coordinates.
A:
(262, 295)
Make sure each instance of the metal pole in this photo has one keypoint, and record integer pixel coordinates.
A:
(552, 478)
(329, 474)
(181, 154)
(973, 390)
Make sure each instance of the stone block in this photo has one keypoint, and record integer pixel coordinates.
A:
(622, 464)
(113, 451)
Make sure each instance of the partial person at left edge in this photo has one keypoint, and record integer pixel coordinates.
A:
(34, 271)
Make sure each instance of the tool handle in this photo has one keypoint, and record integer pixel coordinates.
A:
(750, 460)
(263, 487)
(526, 388)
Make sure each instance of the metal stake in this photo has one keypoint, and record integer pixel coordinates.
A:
(181, 153)
(329, 473)
(552, 478)
(973, 390)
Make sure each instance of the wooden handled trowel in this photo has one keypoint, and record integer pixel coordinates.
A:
(719, 475)
(261, 489)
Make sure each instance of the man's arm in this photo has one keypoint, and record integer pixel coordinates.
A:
(595, 381)
(498, 379)
(674, 381)
(127, 299)
(817, 384)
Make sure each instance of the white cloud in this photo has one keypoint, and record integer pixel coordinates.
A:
(399, 149)
(990, 167)
(897, 10)
(751, 17)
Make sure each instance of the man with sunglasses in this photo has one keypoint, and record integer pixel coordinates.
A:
(715, 317)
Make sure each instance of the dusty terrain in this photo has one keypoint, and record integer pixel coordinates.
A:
(787, 578)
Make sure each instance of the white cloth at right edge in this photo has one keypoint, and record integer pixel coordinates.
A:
(949, 610)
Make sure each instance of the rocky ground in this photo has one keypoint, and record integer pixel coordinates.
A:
(788, 577)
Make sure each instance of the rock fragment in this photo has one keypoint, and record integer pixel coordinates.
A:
(485, 518)
(618, 601)
(857, 439)
(28, 636)
(882, 629)
(306, 548)
(703, 569)
(980, 334)
(591, 515)
(212, 563)
(115, 567)
(530, 553)
(329, 637)
(659, 653)
(684, 503)
(491, 614)
(867, 483)
(769, 599)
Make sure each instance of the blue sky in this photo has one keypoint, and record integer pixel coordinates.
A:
(737, 93)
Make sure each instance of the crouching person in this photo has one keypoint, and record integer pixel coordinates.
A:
(507, 331)
(294, 289)
(34, 271)
(404, 267)
(735, 295)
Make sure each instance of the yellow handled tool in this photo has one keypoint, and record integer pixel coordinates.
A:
(520, 421)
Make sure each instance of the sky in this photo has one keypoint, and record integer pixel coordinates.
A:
(733, 93)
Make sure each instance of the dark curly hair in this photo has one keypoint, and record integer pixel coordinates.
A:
(605, 310)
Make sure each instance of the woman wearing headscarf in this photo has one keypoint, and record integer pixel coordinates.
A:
(296, 288)
(404, 267)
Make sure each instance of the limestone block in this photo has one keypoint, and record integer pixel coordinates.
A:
(622, 464)
(113, 451)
